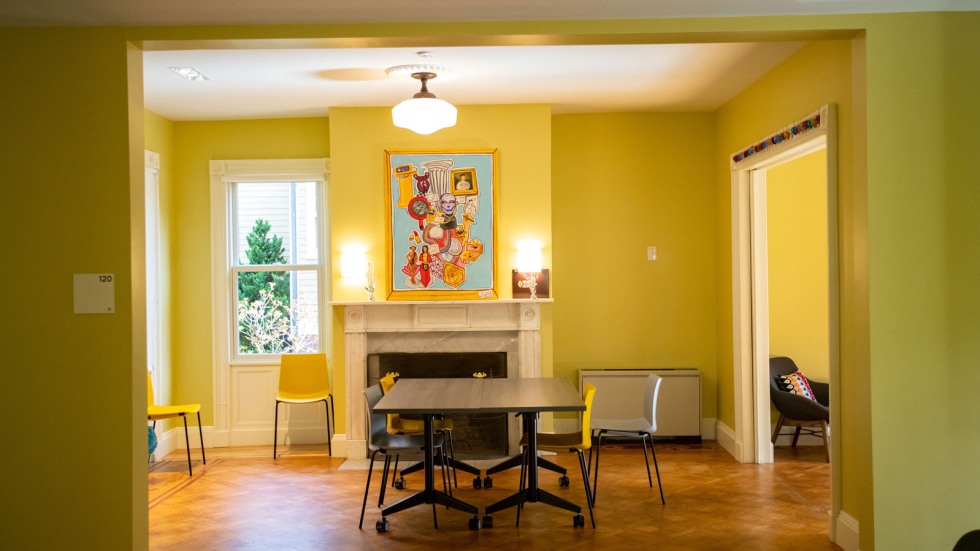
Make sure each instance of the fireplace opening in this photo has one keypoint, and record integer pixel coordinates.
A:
(475, 436)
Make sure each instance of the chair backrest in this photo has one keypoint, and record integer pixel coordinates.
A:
(781, 365)
(377, 425)
(392, 420)
(588, 397)
(304, 373)
(387, 382)
(650, 396)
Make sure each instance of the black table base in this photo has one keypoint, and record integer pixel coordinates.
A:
(531, 494)
(429, 495)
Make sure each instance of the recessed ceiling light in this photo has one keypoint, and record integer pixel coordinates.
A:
(189, 73)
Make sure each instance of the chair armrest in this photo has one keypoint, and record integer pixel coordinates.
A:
(798, 408)
(821, 391)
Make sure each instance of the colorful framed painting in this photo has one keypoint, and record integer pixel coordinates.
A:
(442, 224)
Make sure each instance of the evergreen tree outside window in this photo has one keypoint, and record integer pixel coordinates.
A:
(277, 266)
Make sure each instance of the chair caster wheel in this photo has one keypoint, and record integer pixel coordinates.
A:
(578, 521)
(564, 482)
(477, 483)
(399, 484)
(475, 523)
(382, 526)
(488, 521)
(488, 482)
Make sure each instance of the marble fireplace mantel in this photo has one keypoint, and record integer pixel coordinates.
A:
(412, 326)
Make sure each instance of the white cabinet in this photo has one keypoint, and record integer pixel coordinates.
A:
(619, 395)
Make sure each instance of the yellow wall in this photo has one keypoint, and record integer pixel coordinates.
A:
(359, 138)
(623, 182)
(195, 144)
(796, 206)
(73, 434)
(909, 321)
(819, 74)
(961, 378)
(923, 209)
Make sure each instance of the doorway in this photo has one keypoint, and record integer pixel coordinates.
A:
(750, 273)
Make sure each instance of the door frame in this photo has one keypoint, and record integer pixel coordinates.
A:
(750, 311)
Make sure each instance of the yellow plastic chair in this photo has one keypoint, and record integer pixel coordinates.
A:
(155, 413)
(303, 379)
(576, 442)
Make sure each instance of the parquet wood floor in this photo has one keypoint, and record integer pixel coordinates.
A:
(244, 500)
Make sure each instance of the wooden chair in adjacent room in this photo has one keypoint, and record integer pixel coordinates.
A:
(303, 379)
(801, 403)
(156, 413)
(642, 427)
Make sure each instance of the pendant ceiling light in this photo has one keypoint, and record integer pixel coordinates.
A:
(424, 113)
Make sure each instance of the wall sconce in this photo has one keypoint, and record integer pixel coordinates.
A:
(355, 268)
(529, 265)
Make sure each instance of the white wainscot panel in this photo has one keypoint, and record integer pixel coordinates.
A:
(253, 396)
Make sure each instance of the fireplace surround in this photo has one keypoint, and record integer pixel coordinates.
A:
(475, 435)
(512, 327)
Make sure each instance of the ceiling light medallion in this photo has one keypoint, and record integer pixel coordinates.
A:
(424, 113)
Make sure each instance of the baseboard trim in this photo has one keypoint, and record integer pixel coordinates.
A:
(173, 439)
(846, 533)
(708, 428)
(725, 437)
(571, 425)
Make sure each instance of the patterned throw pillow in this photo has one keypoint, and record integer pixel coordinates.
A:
(796, 383)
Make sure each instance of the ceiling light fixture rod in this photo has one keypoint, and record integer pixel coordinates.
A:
(424, 77)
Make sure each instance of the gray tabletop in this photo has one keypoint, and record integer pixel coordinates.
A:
(469, 395)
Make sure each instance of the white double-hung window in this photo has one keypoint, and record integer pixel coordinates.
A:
(270, 245)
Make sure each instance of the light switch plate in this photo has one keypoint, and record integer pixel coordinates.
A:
(651, 253)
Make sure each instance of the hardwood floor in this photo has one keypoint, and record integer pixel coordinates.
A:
(243, 499)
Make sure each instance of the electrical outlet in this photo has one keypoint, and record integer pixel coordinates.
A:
(651, 253)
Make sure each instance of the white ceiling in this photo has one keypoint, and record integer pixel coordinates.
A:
(304, 81)
(573, 79)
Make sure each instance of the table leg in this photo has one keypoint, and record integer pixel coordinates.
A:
(532, 493)
(429, 495)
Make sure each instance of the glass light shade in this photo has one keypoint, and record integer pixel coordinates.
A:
(353, 265)
(528, 259)
(424, 115)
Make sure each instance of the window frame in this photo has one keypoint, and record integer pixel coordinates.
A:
(236, 268)
(225, 175)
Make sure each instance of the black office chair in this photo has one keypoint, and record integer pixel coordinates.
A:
(807, 415)
(380, 441)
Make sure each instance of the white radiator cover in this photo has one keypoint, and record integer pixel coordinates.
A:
(619, 395)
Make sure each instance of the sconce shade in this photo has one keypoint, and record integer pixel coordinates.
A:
(424, 115)
(353, 265)
(528, 259)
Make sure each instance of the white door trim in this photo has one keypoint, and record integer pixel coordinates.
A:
(750, 304)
